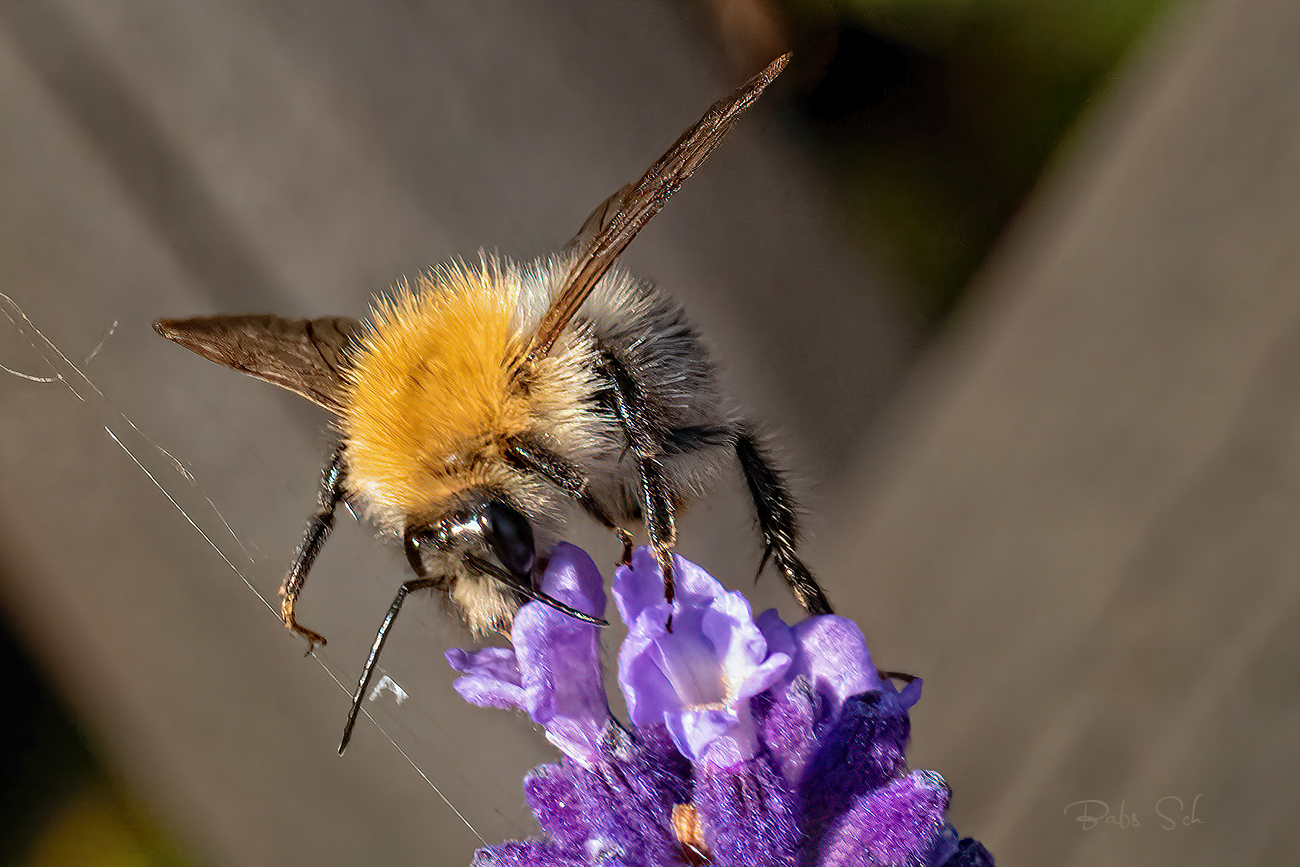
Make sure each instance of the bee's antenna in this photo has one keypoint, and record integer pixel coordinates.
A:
(411, 544)
(375, 649)
(492, 570)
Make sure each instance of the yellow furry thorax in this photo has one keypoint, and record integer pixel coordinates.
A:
(432, 391)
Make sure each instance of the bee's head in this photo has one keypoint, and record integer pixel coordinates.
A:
(481, 526)
(487, 547)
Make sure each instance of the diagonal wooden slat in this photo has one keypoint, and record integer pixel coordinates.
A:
(1084, 538)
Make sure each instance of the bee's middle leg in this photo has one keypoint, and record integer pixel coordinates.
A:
(658, 508)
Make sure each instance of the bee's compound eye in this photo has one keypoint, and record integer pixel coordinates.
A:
(511, 538)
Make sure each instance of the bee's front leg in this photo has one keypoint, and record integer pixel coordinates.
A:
(534, 457)
(318, 530)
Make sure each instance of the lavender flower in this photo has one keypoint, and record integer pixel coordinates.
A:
(752, 742)
(697, 679)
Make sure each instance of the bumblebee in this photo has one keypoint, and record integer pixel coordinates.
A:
(482, 406)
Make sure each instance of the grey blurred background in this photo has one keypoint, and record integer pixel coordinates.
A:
(1015, 285)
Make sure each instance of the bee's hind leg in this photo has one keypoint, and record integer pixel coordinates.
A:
(778, 520)
(318, 530)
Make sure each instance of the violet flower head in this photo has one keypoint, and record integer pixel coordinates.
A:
(698, 678)
(752, 743)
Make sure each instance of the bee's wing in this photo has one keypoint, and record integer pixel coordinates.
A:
(616, 221)
(599, 220)
(306, 356)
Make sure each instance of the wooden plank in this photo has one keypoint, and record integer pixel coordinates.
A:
(1081, 527)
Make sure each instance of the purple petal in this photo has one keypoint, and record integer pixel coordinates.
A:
(833, 657)
(861, 751)
(559, 657)
(641, 585)
(697, 679)
(491, 678)
(945, 847)
(748, 814)
(687, 658)
(649, 694)
(573, 579)
(695, 588)
(675, 678)
(695, 732)
(664, 672)
(896, 826)
(910, 694)
(764, 677)
(740, 646)
(778, 635)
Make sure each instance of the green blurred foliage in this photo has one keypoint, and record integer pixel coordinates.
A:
(97, 827)
(940, 115)
(58, 806)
